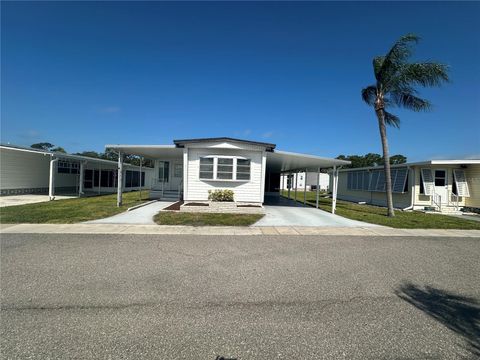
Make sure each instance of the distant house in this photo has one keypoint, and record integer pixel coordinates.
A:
(189, 168)
(441, 185)
(304, 180)
(33, 171)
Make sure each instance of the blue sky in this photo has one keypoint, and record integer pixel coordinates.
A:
(82, 75)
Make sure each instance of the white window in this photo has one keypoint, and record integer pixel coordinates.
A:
(224, 168)
(243, 169)
(75, 168)
(206, 168)
(63, 167)
(178, 171)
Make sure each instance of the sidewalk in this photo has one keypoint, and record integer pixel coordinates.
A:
(226, 230)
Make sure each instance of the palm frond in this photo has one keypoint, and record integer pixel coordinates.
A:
(369, 94)
(392, 120)
(397, 55)
(408, 100)
(424, 74)
(377, 66)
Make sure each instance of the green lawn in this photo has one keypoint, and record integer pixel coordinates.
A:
(376, 215)
(206, 219)
(70, 211)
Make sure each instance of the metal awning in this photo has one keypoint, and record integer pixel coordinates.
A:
(277, 161)
(282, 161)
(149, 151)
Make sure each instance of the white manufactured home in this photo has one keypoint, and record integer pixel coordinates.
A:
(32, 171)
(189, 168)
(439, 185)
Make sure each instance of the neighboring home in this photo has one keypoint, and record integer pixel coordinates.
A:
(189, 168)
(33, 171)
(440, 185)
(308, 182)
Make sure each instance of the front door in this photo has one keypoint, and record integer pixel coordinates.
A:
(441, 184)
(164, 174)
(177, 175)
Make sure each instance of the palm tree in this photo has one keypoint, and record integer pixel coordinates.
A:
(396, 79)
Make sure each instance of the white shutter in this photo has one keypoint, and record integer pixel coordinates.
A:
(461, 182)
(427, 181)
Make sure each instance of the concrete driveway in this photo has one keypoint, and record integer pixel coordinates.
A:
(248, 297)
(280, 211)
(141, 216)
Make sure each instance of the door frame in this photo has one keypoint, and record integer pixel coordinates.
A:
(445, 187)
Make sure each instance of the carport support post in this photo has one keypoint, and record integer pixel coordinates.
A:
(289, 184)
(140, 176)
(296, 185)
(318, 185)
(305, 189)
(80, 181)
(51, 188)
(334, 190)
(120, 179)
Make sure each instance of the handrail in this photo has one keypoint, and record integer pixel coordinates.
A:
(456, 200)
(437, 199)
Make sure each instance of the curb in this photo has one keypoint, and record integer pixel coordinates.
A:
(141, 205)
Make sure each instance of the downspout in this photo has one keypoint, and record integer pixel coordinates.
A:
(51, 189)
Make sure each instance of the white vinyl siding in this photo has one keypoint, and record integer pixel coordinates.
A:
(461, 183)
(245, 190)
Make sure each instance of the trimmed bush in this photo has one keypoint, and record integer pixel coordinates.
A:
(220, 195)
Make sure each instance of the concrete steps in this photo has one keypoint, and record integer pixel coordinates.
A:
(168, 195)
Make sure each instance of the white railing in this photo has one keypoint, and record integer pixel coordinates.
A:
(180, 190)
(455, 201)
(437, 200)
(156, 184)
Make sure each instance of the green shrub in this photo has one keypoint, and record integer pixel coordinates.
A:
(220, 195)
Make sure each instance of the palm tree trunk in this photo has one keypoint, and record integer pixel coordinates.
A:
(386, 157)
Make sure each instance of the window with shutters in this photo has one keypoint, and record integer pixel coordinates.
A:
(460, 181)
(427, 180)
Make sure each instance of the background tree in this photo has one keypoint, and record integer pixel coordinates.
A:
(43, 146)
(371, 159)
(59, 149)
(397, 159)
(48, 147)
(396, 79)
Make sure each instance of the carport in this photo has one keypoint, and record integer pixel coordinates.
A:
(288, 163)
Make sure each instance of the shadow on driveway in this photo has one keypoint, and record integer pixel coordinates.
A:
(458, 313)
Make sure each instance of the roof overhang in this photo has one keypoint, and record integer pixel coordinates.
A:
(182, 143)
(64, 156)
(282, 161)
(149, 151)
(422, 163)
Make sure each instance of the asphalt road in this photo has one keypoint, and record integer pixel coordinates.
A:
(259, 297)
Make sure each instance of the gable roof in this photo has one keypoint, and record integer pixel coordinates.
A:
(181, 143)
